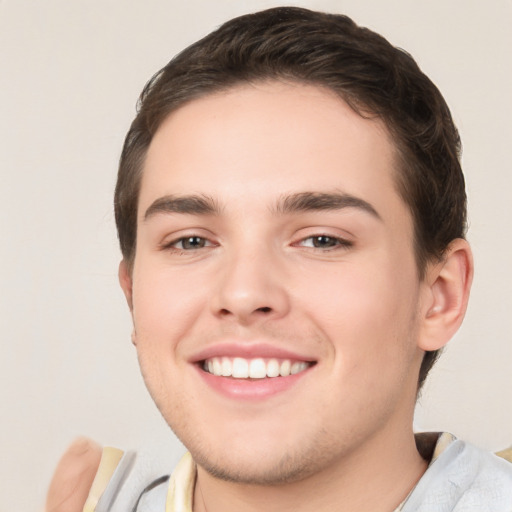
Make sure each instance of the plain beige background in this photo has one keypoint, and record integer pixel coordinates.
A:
(71, 71)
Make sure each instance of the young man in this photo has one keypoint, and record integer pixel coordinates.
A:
(291, 213)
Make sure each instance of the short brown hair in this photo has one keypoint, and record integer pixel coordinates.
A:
(364, 69)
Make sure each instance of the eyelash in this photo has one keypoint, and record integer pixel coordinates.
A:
(172, 245)
(336, 243)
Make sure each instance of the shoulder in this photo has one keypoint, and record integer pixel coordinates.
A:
(463, 478)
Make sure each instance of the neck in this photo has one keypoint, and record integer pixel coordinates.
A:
(375, 478)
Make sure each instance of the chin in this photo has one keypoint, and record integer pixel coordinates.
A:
(265, 464)
(262, 472)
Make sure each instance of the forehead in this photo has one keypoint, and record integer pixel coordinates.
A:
(266, 139)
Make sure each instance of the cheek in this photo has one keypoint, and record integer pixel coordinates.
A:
(369, 319)
(165, 309)
(368, 312)
(165, 304)
(162, 313)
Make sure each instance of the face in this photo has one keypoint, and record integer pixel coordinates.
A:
(274, 291)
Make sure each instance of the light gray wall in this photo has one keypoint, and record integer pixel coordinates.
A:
(71, 71)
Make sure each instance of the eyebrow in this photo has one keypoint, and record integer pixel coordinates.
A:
(189, 204)
(293, 203)
(323, 201)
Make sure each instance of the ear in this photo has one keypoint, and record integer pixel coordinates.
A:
(447, 285)
(125, 280)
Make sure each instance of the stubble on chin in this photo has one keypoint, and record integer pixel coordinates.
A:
(268, 469)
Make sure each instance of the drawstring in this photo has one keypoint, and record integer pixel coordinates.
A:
(148, 488)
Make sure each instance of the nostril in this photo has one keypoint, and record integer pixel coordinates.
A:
(224, 312)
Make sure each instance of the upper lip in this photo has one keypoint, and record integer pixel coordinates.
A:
(248, 350)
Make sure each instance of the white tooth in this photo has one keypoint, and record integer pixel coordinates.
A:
(284, 369)
(227, 368)
(257, 369)
(240, 368)
(210, 365)
(217, 367)
(273, 368)
(298, 367)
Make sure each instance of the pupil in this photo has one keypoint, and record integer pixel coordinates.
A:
(193, 242)
(323, 241)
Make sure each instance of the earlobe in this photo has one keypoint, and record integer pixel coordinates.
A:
(448, 284)
(125, 280)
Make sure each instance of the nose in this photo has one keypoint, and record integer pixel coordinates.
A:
(251, 288)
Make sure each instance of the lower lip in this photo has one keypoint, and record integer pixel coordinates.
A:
(246, 389)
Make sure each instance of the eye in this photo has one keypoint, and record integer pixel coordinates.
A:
(189, 243)
(324, 242)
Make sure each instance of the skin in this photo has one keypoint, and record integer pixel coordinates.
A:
(355, 305)
(258, 273)
(73, 477)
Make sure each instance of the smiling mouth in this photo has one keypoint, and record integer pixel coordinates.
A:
(255, 368)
